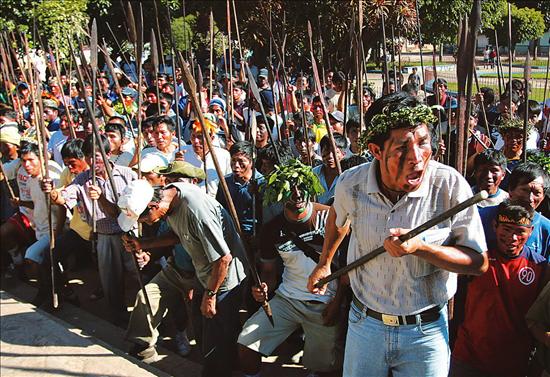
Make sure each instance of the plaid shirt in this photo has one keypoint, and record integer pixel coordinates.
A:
(76, 194)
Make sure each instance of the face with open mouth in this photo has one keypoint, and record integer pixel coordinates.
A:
(404, 158)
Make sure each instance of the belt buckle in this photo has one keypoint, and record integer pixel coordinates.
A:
(390, 320)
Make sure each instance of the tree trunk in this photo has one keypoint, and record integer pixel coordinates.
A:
(440, 52)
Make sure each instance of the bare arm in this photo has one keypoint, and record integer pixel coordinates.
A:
(459, 259)
(110, 209)
(219, 272)
(333, 239)
(165, 240)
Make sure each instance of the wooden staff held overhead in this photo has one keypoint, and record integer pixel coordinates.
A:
(190, 86)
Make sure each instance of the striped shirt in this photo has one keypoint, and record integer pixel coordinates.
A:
(76, 194)
(406, 285)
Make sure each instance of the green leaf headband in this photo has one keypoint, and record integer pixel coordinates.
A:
(514, 124)
(285, 177)
(402, 118)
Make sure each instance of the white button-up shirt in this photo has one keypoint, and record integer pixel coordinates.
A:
(406, 285)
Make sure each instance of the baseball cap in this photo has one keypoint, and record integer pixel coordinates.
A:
(217, 101)
(150, 162)
(130, 92)
(132, 202)
(9, 134)
(182, 168)
(337, 116)
(263, 73)
(50, 103)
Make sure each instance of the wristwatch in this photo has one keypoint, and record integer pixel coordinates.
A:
(211, 293)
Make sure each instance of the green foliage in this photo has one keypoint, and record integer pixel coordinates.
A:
(58, 19)
(539, 158)
(182, 30)
(440, 18)
(14, 13)
(527, 24)
(285, 178)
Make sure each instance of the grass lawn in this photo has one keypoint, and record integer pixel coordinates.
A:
(518, 75)
(536, 94)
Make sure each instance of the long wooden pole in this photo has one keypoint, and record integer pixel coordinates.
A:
(482, 195)
(190, 85)
(318, 87)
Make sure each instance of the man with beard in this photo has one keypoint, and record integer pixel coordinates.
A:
(398, 317)
(295, 236)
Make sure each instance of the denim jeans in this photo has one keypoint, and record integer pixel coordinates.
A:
(373, 349)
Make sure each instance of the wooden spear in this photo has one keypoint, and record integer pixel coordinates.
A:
(190, 86)
(526, 79)
(319, 90)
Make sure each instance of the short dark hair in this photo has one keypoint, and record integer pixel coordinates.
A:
(167, 96)
(299, 135)
(352, 124)
(103, 142)
(491, 157)
(147, 122)
(525, 173)
(392, 102)
(166, 120)
(29, 147)
(515, 211)
(9, 112)
(488, 95)
(151, 89)
(115, 127)
(534, 108)
(410, 88)
(340, 140)
(338, 77)
(73, 149)
(351, 161)
(244, 147)
(260, 120)
(268, 153)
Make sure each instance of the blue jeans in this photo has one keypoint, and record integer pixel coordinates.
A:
(373, 349)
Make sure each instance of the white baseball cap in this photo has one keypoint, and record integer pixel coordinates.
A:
(132, 202)
(151, 161)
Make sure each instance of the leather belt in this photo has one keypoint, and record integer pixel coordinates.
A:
(428, 315)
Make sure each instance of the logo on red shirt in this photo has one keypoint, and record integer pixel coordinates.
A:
(526, 275)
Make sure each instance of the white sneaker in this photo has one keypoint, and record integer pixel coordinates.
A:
(182, 343)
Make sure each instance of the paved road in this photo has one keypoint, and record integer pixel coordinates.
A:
(33, 343)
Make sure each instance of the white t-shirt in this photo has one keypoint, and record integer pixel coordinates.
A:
(14, 170)
(38, 197)
(122, 159)
(224, 159)
(57, 140)
(166, 157)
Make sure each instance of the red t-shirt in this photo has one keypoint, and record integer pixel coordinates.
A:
(494, 337)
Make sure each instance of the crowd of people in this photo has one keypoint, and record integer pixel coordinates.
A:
(287, 184)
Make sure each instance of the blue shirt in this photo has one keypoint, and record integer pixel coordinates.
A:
(181, 257)
(54, 125)
(325, 197)
(539, 240)
(242, 199)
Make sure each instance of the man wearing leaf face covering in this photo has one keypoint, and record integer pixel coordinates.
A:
(296, 236)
